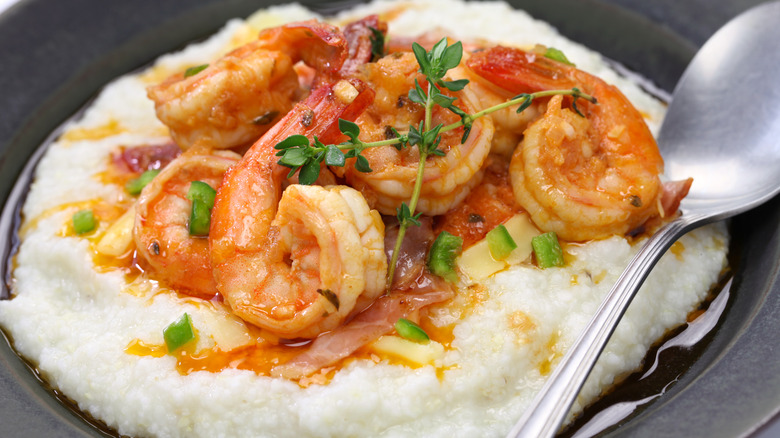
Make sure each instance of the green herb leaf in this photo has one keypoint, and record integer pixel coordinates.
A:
(334, 156)
(192, 71)
(466, 132)
(442, 100)
(422, 58)
(557, 55)
(431, 140)
(578, 94)
(404, 215)
(411, 331)
(294, 157)
(135, 186)
(526, 103)
(455, 85)
(179, 333)
(451, 56)
(436, 56)
(350, 129)
(309, 173)
(361, 164)
(83, 221)
(415, 136)
(292, 141)
(417, 95)
(377, 44)
(403, 140)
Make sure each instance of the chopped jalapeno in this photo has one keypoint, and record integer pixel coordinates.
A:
(547, 250)
(84, 221)
(200, 219)
(192, 71)
(411, 331)
(203, 192)
(178, 333)
(202, 197)
(500, 242)
(441, 259)
(134, 186)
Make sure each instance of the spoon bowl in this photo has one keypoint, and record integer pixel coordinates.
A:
(723, 130)
(723, 126)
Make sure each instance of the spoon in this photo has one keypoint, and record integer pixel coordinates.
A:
(723, 129)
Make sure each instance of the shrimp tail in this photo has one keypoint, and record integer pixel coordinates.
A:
(519, 71)
(319, 45)
(360, 42)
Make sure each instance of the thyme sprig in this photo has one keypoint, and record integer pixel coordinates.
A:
(300, 155)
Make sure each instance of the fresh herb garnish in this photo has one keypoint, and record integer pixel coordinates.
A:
(377, 44)
(300, 155)
(557, 55)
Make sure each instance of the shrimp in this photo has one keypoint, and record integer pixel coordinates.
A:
(447, 179)
(165, 246)
(582, 177)
(299, 263)
(236, 99)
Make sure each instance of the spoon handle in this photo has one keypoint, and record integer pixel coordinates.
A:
(548, 410)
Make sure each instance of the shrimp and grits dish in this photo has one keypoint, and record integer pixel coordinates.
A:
(391, 222)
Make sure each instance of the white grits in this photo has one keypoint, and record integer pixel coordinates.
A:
(75, 323)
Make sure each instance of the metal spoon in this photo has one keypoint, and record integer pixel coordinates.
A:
(722, 129)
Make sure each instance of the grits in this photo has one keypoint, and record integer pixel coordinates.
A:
(74, 318)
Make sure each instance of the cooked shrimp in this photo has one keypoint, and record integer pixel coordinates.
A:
(509, 125)
(240, 96)
(447, 179)
(299, 265)
(582, 177)
(165, 246)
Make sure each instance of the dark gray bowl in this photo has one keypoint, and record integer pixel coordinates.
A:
(55, 55)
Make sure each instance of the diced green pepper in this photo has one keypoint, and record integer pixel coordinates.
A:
(547, 250)
(134, 186)
(500, 242)
(192, 71)
(203, 192)
(179, 333)
(557, 55)
(411, 331)
(202, 197)
(200, 219)
(84, 221)
(441, 258)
